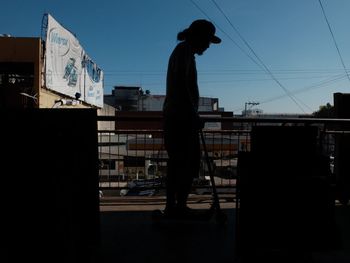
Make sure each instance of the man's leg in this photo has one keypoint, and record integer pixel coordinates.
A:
(191, 164)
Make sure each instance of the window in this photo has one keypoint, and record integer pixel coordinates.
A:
(17, 85)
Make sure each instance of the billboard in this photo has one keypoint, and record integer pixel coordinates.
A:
(68, 69)
(93, 82)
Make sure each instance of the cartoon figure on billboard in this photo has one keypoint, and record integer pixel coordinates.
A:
(70, 73)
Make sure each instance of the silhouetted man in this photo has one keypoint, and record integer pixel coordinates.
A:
(181, 118)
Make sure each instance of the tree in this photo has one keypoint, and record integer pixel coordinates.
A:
(325, 111)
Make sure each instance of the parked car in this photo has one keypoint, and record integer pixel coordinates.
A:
(144, 187)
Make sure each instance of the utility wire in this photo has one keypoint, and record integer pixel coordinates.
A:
(267, 70)
(322, 84)
(262, 65)
(227, 35)
(335, 42)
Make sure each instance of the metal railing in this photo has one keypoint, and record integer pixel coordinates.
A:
(132, 156)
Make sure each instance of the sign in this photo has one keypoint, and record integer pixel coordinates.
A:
(68, 69)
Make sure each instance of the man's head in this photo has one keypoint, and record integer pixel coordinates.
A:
(201, 33)
(203, 29)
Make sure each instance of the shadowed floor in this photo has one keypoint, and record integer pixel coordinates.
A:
(132, 236)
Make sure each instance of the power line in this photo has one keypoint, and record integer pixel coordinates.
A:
(322, 84)
(223, 31)
(259, 59)
(262, 65)
(335, 42)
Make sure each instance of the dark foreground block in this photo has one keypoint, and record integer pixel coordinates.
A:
(49, 168)
(285, 196)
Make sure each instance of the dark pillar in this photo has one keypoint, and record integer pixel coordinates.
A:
(342, 146)
(284, 192)
(50, 207)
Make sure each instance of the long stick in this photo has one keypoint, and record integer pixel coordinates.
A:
(216, 202)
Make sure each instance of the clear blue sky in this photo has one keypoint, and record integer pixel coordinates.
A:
(131, 41)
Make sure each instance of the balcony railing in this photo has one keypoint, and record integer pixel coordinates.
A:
(131, 156)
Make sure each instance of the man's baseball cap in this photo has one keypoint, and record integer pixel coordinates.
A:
(202, 27)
